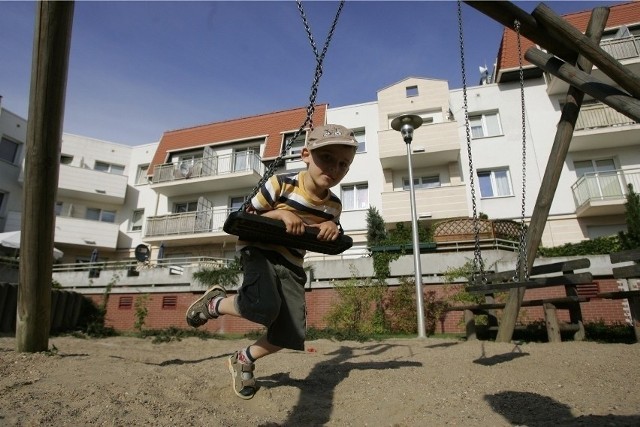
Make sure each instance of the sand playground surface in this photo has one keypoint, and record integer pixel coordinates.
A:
(128, 381)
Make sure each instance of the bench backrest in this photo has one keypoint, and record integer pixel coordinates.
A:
(629, 271)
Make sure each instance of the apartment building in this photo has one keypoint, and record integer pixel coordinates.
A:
(172, 197)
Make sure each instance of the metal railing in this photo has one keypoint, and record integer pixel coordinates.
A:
(622, 48)
(208, 166)
(599, 115)
(610, 185)
(132, 263)
(204, 221)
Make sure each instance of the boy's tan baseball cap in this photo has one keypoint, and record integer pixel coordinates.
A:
(331, 135)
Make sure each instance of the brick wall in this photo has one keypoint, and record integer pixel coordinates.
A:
(121, 310)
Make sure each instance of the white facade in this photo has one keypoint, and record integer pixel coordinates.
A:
(13, 134)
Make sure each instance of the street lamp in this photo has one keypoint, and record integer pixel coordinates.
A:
(405, 125)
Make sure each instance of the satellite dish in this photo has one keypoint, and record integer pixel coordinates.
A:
(483, 70)
(185, 169)
(142, 253)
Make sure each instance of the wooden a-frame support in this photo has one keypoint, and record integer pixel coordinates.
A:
(551, 32)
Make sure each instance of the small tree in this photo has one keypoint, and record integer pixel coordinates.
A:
(142, 310)
(376, 230)
(631, 239)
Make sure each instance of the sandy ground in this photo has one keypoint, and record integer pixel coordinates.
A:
(409, 382)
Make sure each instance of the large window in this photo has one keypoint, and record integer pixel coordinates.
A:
(185, 207)
(137, 219)
(484, 125)
(355, 196)
(244, 158)
(422, 182)
(95, 214)
(8, 150)
(109, 168)
(600, 178)
(495, 183)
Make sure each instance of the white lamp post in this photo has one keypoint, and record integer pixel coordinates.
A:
(405, 125)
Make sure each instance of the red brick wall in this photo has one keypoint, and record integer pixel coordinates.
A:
(320, 300)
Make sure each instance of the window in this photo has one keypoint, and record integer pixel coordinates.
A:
(59, 208)
(235, 203)
(484, 125)
(8, 150)
(95, 214)
(66, 159)
(355, 196)
(362, 143)
(136, 219)
(125, 303)
(584, 167)
(141, 175)
(169, 302)
(109, 168)
(296, 147)
(411, 91)
(2, 197)
(185, 207)
(422, 182)
(495, 183)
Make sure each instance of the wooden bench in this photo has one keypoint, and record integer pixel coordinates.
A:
(628, 273)
(541, 276)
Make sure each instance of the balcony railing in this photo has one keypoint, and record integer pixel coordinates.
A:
(623, 48)
(208, 166)
(605, 185)
(600, 116)
(204, 221)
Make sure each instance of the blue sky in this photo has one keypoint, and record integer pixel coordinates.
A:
(138, 69)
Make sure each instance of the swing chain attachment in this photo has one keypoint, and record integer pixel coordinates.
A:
(521, 267)
(312, 99)
(477, 276)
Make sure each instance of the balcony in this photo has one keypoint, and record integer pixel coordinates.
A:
(597, 121)
(84, 232)
(188, 227)
(434, 203)
(433, 144)
(626, 50)
(227, 172)
(91, 185)
(604, 193)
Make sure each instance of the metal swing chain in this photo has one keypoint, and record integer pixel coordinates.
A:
(312, 98)
(522, 249)
(478, 263)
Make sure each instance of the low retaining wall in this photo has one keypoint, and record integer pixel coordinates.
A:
(66, 307)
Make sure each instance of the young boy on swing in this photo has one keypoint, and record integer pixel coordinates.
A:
(272, 292)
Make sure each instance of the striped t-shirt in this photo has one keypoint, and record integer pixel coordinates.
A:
(288, 192)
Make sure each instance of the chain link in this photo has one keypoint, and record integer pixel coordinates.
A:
(521, 266)
(312, 98)
(478, 263)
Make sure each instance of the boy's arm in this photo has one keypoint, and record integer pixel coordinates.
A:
(263, 204)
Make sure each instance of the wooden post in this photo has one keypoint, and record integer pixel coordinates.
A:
(547, 191)
(470, 325)
(551, 320)
(52, 40)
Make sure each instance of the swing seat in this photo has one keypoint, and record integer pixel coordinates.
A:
(257, 228)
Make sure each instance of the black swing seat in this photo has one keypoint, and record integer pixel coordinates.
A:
(257, 228)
